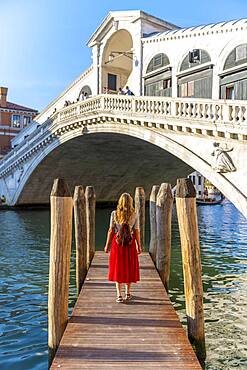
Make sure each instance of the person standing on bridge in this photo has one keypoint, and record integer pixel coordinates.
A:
(128, 91)
(124, 238)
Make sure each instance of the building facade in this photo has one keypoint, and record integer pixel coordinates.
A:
(156, 58)
(13, 118)
(203, 187)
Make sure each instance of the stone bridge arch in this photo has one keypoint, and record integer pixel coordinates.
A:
(140, 138)
(185, 128)
(112, 159)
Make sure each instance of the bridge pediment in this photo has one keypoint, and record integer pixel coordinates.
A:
(123, 19)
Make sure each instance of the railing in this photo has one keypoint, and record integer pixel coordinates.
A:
(200, 111)
(215, 111)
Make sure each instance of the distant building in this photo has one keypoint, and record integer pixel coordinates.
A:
(201, 185)
(13, 118)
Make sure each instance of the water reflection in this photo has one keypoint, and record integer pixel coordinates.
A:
(24, 253)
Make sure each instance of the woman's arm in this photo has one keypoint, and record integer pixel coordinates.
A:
(138, 240)
(110, 235)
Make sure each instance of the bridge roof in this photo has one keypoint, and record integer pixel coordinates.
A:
(204, 27)
(132, 16)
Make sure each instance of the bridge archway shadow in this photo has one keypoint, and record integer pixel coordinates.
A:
(113, 163)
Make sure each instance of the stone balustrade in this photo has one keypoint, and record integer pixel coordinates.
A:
(216, 111)
(195, 113)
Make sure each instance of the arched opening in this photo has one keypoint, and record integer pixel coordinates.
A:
(112, 163)
(156, 159)
(117, 63)
(233, 79)
(195, 77)
(158, 78)
(85, 92)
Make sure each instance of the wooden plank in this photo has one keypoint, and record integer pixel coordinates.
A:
(59, 267)
(152, 218)
(80, 235)
(140, 209)
(192, 270)
(90, 201)
(164, 203)
(144, 333)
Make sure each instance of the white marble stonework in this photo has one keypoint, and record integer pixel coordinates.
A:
(217, 39)
(117, 142)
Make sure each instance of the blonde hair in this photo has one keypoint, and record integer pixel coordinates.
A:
(125, 208)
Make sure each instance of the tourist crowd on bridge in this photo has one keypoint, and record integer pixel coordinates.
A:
(106, 90)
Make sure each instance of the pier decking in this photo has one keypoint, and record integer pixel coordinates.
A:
(144, 333)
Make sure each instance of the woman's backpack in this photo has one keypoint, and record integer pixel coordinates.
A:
(124, 235)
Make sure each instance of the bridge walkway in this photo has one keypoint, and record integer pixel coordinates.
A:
(144, 333)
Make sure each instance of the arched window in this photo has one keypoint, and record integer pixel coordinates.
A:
(158, 81)
(194, 58)
(157, 62)
(233, 79)
(85, 91)
(196, 80)
(236, 57)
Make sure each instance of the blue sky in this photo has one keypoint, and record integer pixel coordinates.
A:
(43, 42)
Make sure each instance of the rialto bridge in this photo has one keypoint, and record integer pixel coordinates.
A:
(118, 142)
(189, 112)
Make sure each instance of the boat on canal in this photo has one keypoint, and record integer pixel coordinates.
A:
(209, 201)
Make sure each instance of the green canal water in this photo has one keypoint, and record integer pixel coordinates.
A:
(24, 252)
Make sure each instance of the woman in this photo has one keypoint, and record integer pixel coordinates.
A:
(124, 238)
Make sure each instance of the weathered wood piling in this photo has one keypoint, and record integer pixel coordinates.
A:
(153, 226)
(80, 236)
(59, 269)
(189, 235)
(90, 198)
(164, 203)
(140, 209)
(161, 203)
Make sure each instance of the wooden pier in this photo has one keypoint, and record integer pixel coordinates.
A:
(144, 333)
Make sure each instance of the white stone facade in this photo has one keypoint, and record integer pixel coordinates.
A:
(206, 135)
(150, 36)
(137, 24)
(186, 128)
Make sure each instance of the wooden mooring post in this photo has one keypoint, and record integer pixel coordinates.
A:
(189, 235)
(90, 198)
(140, 209)
(164, 203)
(80, 236)
(152, 217)
(59, 270)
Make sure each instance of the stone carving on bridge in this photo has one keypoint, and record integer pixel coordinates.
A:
(222, 161)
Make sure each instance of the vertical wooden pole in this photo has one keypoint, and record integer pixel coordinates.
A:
(59, 271)
(80, 236)
(164, 203)
(140, 209)
(90, 198)
(189, 235)
(152, 216)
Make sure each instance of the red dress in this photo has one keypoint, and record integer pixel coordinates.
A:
(123, 263)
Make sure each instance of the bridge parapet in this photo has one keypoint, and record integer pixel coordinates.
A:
(224, 119)
(189, 129)
(203, 110)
